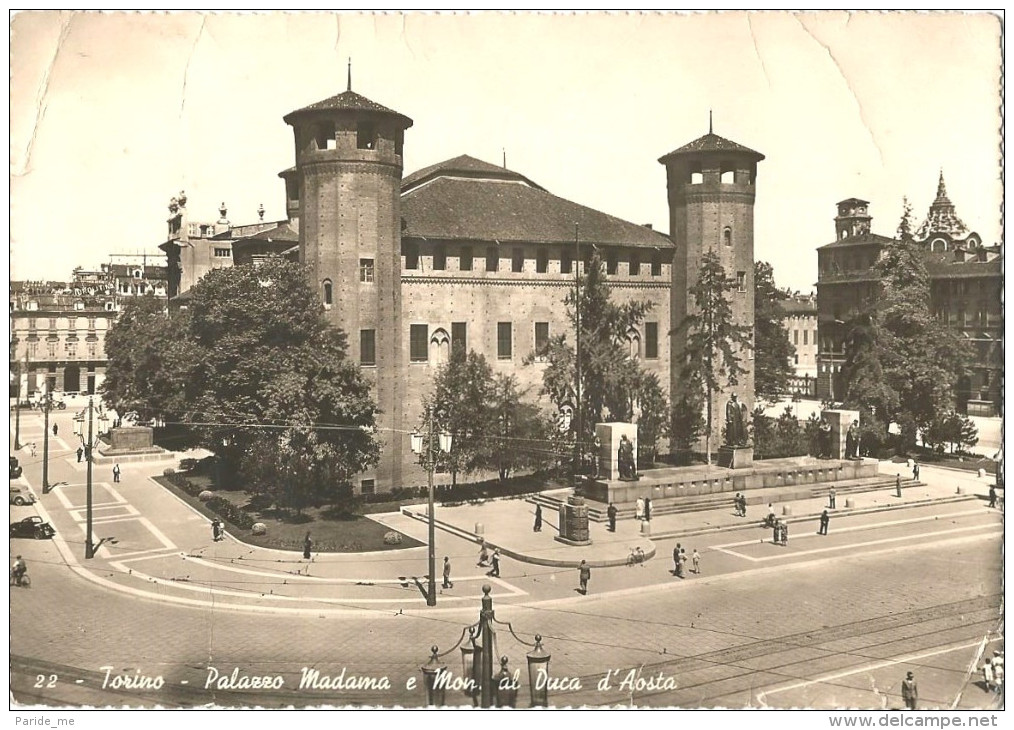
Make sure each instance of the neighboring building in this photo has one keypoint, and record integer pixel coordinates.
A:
(966, 281)
(800, 313)
(473, 255)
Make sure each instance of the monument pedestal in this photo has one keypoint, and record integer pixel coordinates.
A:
(735, 457)
(574, 522)
(840, 421)
(609, 436)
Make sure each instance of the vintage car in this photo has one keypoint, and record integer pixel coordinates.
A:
(15, 468)
(32, 527)
(21, 496)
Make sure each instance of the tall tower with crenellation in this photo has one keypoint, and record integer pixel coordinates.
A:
(348, 172)
(712, 185)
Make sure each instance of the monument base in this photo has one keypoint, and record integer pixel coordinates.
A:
(573, 543)
(735, 457)
(574, 522)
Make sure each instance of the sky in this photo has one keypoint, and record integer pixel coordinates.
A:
(114, 113)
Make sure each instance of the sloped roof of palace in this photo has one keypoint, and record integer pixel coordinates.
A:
(282, 232)
(864, 239)
(468, 199)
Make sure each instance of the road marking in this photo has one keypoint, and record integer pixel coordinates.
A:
(79, 515)
(868, 668)
(846, 546)
(103, 551)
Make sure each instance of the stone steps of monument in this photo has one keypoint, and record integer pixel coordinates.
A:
(725, 500)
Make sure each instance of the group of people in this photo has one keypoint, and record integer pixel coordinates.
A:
(739, 502)
(490, 561)
(992, 672)
(680, 560)
(642, 509)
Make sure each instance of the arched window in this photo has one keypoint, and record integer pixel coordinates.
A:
(328, 293)
(727, 236)
(634, 343)
(440, 346)
(938, 244)
(728, 173)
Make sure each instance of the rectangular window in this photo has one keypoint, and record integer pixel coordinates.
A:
(795, 337)
(366, 271)
(465, 261)
(439, 257)
(635, 263)
(51, 350)
(611, 263)
(518, 260)
(806, 336)
(656, 264)
(91, 323)
(504, 349)
(52, 323)
(566, 263)
(459, 337)
(541, 340)
(367, 347)
(651, 340)
(741, 281)
(542, 261)
(419, 343)
(368, 486)
(91, 350)
(411, 251)
(366, 136)
(223, 253)
(492, 259)
(31, 323)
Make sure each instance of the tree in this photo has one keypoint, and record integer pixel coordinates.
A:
(713, 339)
(687, 420)
(522, 437)
(653, 420)
(773, 352)
(951, 428)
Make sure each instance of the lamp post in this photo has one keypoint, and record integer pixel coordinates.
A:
(577, 358)
(446, 442)
(478, 657)
(89, 448)
(47, 399)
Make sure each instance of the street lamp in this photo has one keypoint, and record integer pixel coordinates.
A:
(47, 401)
(445, 443)
(477, 660)
(89, 445)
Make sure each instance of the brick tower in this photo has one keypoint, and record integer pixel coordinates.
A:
(712, 183)
(348, 172)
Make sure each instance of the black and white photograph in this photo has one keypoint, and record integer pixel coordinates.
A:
(506, 360)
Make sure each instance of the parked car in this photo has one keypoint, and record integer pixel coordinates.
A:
(20, 496)
(33, 527)
(15, 468)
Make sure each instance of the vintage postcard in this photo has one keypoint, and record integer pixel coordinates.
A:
(489, 360)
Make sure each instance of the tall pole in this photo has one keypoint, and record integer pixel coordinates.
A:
(486, 628)
(17, 415)
(431, 594)
(89, 548)
(46, 400)
(577, 354)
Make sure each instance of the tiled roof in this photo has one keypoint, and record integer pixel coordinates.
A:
(711, 143)
(462, 166)
(864, 240)
(346, 101)
(503, 207)
(798, 306)
(282, 232)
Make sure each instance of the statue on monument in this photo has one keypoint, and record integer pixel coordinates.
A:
(735, 422)
(625, 459)
(852, 441)
(824, 439)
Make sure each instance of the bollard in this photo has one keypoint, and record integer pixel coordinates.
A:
(787, 509)
(982, 473)
(961, 490)
(480, 529)
(849, 503)
(645, 528)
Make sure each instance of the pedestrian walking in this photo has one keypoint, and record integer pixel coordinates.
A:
(785, 534)
(696, 560)
(537, 527)
(684, 559)
(735, 504)
(33, 448)
(992, 495)
(584, 575)
(483, 556)
(909, 691)
(80, 453)
(307, 546)
(742, 506)
(639, 509)
(495, 572)
(771, 514)
(825, 519)
(776, 532)
(116, 473)
(676, 560)
(447, 573)
(611, 512)
(647, 509)
(897, 484)
(915, 471)
(831, 496)
(987, 674)
(216, 529)
(55, 429)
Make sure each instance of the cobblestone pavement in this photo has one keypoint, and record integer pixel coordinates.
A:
(824, 622)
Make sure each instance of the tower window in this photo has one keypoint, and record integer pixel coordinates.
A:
(518, 260)
(566, 263)
(411, 251)
(504, 349)
(439, 257)
(740, 281)
(328, 293)
(419, 343)
(696, 177)
(656, 264)
(651, 340)
(541, 341)
(220, 253)
(399, 142)
(635, 263)
(492, 259)
(465, 261)
(368, 486)
(367, 347)
(542, 261)
(366, 271)
(366, 135)
(727, 236)
(323, 134)
(728, 174)
(611, 262)
(459, 338)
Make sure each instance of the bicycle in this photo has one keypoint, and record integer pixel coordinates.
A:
(636, 557)
(22, 581)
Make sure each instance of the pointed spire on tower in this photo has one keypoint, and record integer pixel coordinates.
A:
(941, 186)
(349, 88)
(710, 127)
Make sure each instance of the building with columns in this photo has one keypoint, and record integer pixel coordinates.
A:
(966, 283)
(469, 254)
